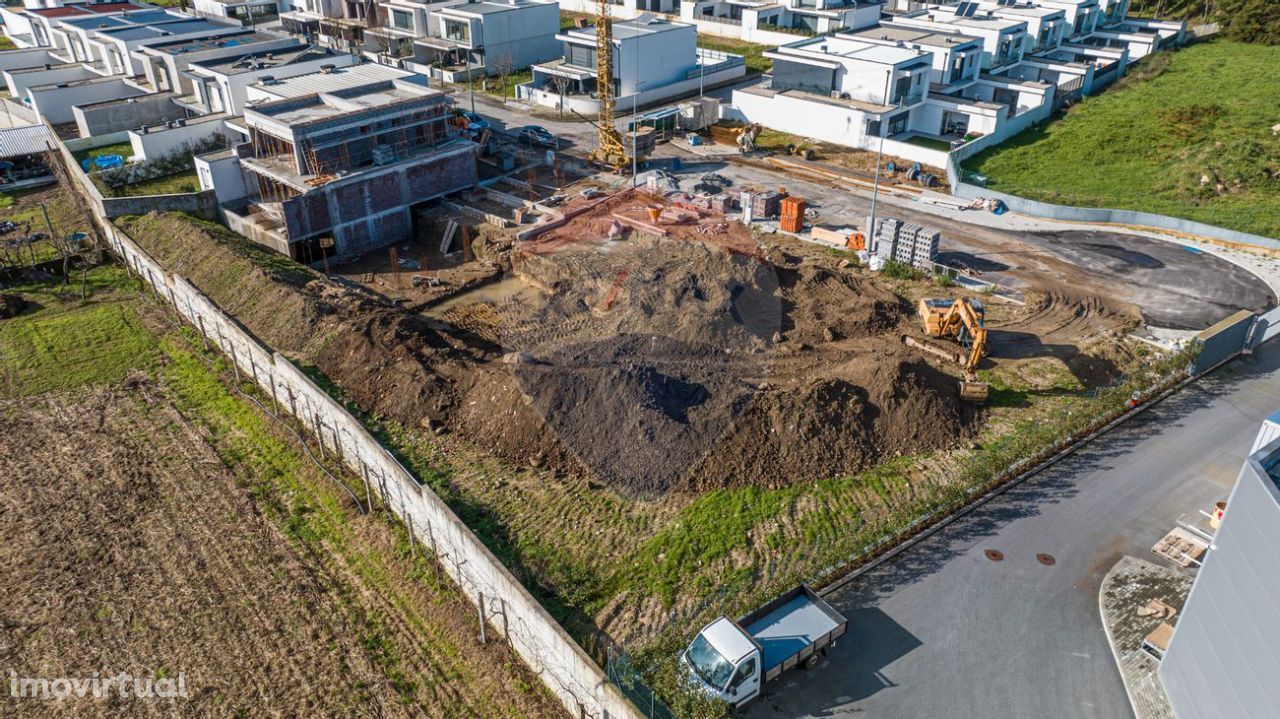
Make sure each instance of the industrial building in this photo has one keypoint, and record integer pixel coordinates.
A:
(335, 168)
(1227, 641)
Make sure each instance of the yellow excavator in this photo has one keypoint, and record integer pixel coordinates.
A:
(961, 320)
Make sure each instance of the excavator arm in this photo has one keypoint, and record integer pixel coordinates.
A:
(963, 322)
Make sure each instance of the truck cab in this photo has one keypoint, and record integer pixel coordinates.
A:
(725, 661)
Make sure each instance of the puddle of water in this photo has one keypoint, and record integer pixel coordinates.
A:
(510, 288)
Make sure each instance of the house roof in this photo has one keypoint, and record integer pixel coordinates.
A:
(913, 35)
(339, 79)
(28, 140)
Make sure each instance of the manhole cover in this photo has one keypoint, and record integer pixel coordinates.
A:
(1046, 560)
(994, 555)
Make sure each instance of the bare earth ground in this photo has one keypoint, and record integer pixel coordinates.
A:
(161, 526)
(539, 409)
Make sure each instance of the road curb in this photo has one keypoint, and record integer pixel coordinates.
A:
(911, 541)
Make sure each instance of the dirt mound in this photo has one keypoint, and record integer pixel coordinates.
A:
(11, 305)
(649, 363)
(839, 423)
(663, 364)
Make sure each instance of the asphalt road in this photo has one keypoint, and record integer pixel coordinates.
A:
(944, 631)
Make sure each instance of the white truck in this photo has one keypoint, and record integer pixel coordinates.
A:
(734, 660)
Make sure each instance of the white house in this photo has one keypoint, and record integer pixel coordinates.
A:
(250, 12)
(1003, 41)
(957, 59)
(653, 60)
(453, 40)
(863, 90)
(1047, 27)
(759, 21)
(220, 85)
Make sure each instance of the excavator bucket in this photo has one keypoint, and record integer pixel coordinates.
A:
(974, 391)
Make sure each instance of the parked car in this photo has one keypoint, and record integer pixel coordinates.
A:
(538, 136)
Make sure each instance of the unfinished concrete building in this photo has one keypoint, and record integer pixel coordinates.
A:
(337, 172)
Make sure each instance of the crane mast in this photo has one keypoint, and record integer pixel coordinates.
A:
(609, 148)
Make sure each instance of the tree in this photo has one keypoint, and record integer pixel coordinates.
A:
(562, 84)
(1255, 21)
(502, 66)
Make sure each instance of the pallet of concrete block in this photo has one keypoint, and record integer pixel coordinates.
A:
(765, 204)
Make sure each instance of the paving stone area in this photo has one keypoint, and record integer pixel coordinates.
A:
(1130, 614)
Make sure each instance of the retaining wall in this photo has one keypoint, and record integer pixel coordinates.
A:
(1220, 235)
(505, 605)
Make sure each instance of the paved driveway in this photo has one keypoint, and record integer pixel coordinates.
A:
(944, 631)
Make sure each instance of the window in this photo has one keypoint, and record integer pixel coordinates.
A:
(457, 30)
(957, 67)
(580, 56)
(402, 20)
(709, 665)
(898, 123)
(745, 672)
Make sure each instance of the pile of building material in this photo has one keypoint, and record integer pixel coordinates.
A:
(763, 204)
(905, 242)
(699, 113)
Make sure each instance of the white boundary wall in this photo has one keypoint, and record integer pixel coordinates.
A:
(507, 607)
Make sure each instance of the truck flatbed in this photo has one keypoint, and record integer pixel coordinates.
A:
(792, 628)
(789, 629)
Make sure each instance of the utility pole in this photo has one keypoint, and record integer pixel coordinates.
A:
(635, 124)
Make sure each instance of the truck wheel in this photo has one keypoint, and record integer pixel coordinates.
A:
(812, 661)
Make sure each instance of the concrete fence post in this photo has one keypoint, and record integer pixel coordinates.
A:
(203, 334)
(364, 472)
(484, 635)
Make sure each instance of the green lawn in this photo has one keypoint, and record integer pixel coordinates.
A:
(123, 149)
(67, 343)
(930, 143)
(1191, 140)
(751, 52)
(186, 181)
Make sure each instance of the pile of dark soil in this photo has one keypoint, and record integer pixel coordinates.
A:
(650, 364)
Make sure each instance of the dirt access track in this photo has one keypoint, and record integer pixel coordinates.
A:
(1175, 287)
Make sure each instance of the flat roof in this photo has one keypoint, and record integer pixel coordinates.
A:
(914, 35)
(183, 27)
(853, 48)
(95, 23)
(488, 7)
(66, 11)
(1025, 10)
(339, 79)
(979, 21)
(250, 61)
(179, 47)
(643, 24)
(330, 105)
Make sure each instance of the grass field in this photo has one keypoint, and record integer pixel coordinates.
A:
(1188, 134)
(138, 489)
(751, 52)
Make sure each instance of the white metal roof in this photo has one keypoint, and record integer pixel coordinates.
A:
(29, 140)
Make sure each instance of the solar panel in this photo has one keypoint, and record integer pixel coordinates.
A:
(971, 10)
(961, 9)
